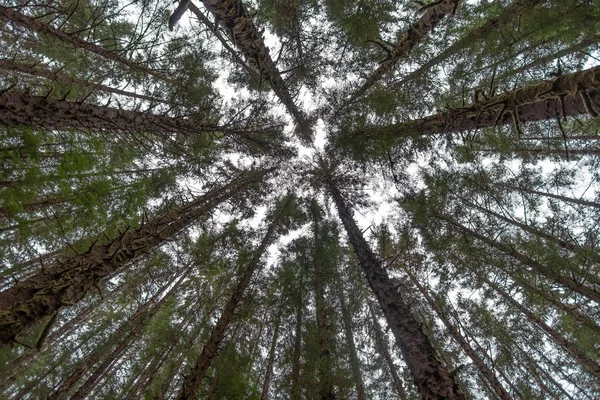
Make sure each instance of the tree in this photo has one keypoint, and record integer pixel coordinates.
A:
(299, 199)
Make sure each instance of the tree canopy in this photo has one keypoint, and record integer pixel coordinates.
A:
(299, 199)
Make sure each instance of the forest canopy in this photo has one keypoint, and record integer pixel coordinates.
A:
(299, 199)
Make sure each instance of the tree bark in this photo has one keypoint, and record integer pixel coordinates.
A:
(565, 199)
(193, 379)
(573, 94)
(431, 376)
(295, 375)
(37, 111)
(36, 25)
(479, 363)
(416, 33)
(67, 281)
(236, 19)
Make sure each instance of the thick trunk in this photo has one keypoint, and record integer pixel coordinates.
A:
(36, 25)
(555, 196)
(381, 344)
(194, 378)
(295, 375)
(431, 376)
(236, 19)
(354, 361)
(269, 370)
(11, 65)
(126, 332)
(67, 281)
(417, 32)
(534, 265)
(38, 111)
(585, 361)
(479, 363)
(568, 95)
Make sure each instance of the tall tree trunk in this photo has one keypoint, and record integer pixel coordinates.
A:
(295, 375)
(38, 111)
(124, 336)
(573, 94)
(566, 199)
(67, 281)
(381, 345)
(326, 391)
(11, 65)
(417, 32)
(236, 19)
(36, 25)
(193, 379)
(431, 376)
(269, 370)
(353, 353)
(534, 265)
(490, 27)
(579, 356)
(479, 363)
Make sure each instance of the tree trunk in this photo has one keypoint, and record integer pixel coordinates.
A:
(236, 19)
(193, 379)
(295, 375)
(431, 376)
(535, 266)
(585, 361)
(42, 112)
(554, 196)
(479, 363)
(326, 391)
(124, 336)
(568, 95)
(59, 77)
(354, 361)
(67, 281)
(416, 33)
(36, 25)
(381, 344)
(269, 370)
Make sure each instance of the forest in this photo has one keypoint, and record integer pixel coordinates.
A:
(300, 199)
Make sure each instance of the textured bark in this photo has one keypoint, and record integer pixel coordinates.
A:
(36, 25)
(431, 376)
(382, 347)
(193, 379)
(353, 353)
(237, 21)
(271, 360)
(562, 97)
(417, 32)
(124, 335)
(579, 356)
(566, 199)
(491, 26)
(535, 266)
(326, 391)
(479, 363)
(47, 113)
(295, 375)
(67, 281)
(11, 65)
